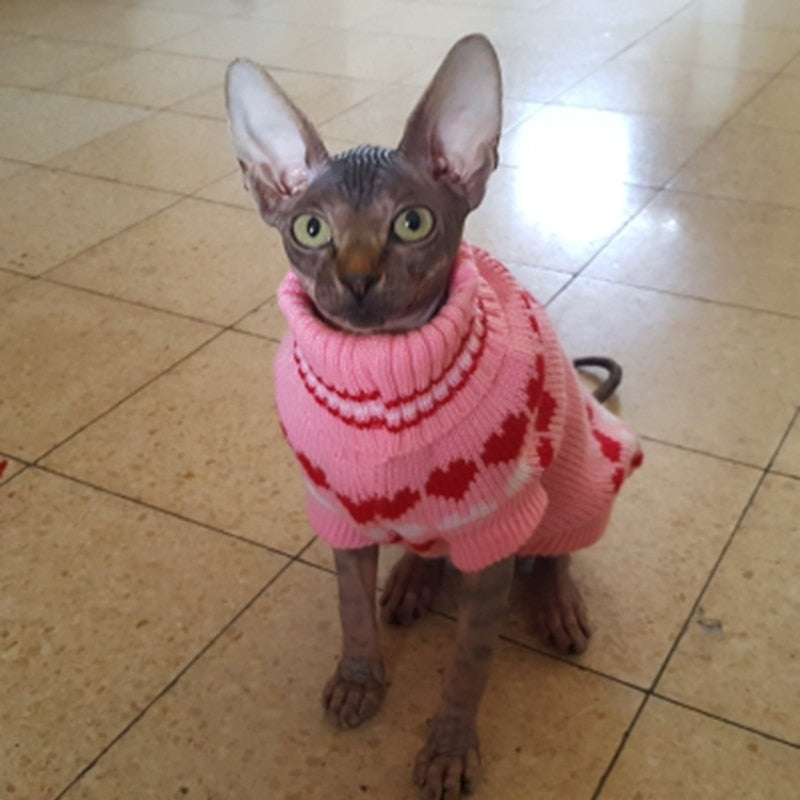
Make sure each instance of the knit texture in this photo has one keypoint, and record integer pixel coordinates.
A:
(469, 437)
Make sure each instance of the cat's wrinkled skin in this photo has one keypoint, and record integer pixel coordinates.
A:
(364, 277)
(405, 283)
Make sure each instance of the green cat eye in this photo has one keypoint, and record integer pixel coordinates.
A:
(311, 231)
(413, 224)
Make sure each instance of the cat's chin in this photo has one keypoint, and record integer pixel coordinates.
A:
(402, 324)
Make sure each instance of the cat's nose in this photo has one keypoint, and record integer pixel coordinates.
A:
(359, 285)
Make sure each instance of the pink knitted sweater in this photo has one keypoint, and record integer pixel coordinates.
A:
(469, 437)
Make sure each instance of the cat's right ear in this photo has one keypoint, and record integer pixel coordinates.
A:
(279, 150)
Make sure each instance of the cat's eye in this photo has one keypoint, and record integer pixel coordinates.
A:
(311, 231)
(413, 224)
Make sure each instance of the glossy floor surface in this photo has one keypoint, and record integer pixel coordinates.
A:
(167, 619)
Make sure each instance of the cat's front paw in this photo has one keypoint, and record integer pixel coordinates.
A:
(355, 692)
(449, 763)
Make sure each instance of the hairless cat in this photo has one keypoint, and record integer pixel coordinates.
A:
(424, 392)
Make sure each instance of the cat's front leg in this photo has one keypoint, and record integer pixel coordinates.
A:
(449, 762)
(355, 691)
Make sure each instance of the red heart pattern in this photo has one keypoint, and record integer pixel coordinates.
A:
(452, 483)
(394, 507)
(545, 452)
(610, 448)
(362, 512)
(545, 412)
(316, 474)
(506, 445)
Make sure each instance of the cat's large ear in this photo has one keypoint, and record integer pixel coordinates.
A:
(279, 150)
(454, 130)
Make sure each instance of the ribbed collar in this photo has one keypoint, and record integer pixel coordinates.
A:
(387, 366)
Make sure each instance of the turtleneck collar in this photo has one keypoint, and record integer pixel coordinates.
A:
(389, 369)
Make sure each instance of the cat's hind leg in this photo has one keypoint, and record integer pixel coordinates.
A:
(412, 585)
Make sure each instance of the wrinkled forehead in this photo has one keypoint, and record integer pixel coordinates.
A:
(363, 173)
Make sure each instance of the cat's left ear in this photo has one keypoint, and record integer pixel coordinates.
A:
(454, 130)
(279, 150)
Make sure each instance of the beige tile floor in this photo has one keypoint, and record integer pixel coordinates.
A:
(166, 617)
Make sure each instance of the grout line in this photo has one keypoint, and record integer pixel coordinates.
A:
(682, 295)
(795, 419)
(706, 453)
(44, 278)
(620, 747)
(712, 573)
(651, 692)
(174, 681)
(166, 511)
(131, 395)
(727, 721)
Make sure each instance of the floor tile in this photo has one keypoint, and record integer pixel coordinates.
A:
(641, 580)
(104, 602)
(38, 17)
(381, 119)
(788, 459)
(9, 95)
(320, 97)
(38, 126)
(9, 467)
(166, 151)
(543, 284)
(674, 752)
(341, 14)
(69, 356)
(202, 441)
(51, 216)
(38, 62)
(9, 39)
(777, 105)
(538, 72)
(132, 26)
(721, 250)
(449, 21)
(271, 43)
(9, 281)
(266, 320)
(760, 156)
(9, 168)
(229, 190)
(549, 218)
(739, 657)
(688, 41)
(268, 725)
(602, 147)
(696, 372)
(611, 10)
(604, 34)
(216, 8)
(148, 79)
(201, 259)
(783, 14)
(699, 95)
(369, 56)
